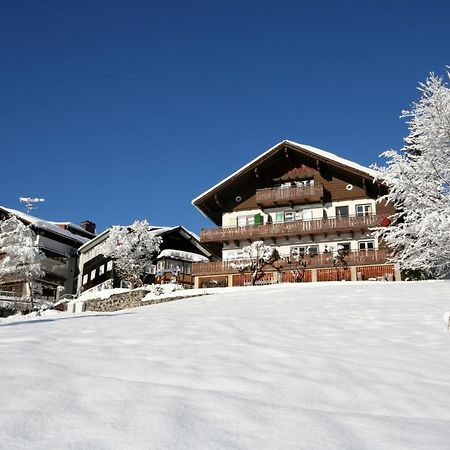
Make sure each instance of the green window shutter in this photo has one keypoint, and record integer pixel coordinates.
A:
(258, 219)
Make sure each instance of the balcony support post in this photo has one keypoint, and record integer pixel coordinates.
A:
(397, 273)
(353, 274)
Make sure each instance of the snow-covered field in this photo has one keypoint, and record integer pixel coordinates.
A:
(311, 366)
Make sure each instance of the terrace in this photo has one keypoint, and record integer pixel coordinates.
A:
(297, 228)
(321, 260)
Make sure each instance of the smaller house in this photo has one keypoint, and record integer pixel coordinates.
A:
(59, 241)
(179, 249)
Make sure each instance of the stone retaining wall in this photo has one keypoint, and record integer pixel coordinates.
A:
(127, 300)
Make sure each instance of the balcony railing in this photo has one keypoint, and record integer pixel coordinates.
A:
(321, 260)
(294, 228)
(285, 196)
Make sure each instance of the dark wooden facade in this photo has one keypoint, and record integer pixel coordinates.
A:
(258, 184)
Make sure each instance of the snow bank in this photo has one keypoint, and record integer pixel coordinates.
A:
(311, 366)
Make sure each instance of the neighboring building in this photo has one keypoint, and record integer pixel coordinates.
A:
(296, 198)
(179, 248)
(59, 241)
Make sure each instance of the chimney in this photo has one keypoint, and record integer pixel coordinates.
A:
(88, 226)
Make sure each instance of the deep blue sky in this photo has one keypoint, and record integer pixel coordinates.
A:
(123, 110)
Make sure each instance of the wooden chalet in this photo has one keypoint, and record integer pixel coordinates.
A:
(298, 199)
(179, 248)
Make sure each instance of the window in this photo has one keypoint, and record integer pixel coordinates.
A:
(92, 274)
(289, 216)
(367, 245)
(101, 270)
(304, 250)
(341, 211)
(109, 266)
(363, 210)
(346, 246)
(85, 278)
(244, 221)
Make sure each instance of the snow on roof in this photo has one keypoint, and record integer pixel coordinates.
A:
(319, 152)
(178, 254)
(45, 224)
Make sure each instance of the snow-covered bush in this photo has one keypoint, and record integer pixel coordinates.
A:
(418, 178)
(132, 249)
(20, 256)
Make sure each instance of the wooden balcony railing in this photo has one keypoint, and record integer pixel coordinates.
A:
(285, 196)
(321, 260)
(295, 228)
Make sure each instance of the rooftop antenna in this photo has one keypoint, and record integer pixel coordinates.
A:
(31, 203)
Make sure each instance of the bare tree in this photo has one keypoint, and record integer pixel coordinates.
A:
(299, 262)
(338, 255)
(257, 258)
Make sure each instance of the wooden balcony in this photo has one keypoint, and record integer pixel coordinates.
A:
(289, 196)
(322, 260)
(297, 228)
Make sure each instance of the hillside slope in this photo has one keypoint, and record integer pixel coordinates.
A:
(311, 366)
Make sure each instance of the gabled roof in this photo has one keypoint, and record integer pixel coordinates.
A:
(155, 231)
(320, 154)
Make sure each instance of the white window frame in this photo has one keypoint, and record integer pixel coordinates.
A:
(366, 209)
(245, 221)
(365, 244)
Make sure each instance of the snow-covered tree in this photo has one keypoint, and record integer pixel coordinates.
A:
(256, 257)
(418, 178)
(20, 257)
(299, 262)
(132, 249)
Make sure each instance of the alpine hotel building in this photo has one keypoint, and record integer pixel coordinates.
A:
(296, 198)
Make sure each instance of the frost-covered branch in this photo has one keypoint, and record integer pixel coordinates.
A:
(132, 249)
